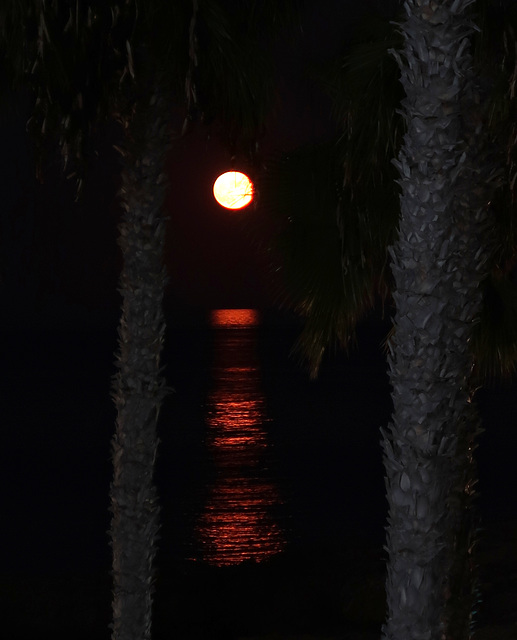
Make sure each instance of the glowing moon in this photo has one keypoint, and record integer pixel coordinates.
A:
(233, 190)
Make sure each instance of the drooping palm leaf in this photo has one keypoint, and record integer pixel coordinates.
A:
(334, 267)
(17, 26)
(77, 56)
(72, 55)
(300, 193)
(337, 203)
(234, 88)
(364, 85)
(494, 340)
(367, 96)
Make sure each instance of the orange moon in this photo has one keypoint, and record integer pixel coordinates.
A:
(233, 190)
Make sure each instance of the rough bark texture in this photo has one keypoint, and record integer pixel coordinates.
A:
(138, 388)
(439, 260)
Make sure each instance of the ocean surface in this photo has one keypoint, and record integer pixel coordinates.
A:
(258, 464)
(254, 456)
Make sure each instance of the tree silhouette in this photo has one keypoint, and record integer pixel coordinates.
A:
(439, 261)
(129, 61)
(347, 247)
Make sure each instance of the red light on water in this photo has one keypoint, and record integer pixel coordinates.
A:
(234, 318)
(237, 522)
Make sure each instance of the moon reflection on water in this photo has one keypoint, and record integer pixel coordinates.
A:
(237, 523)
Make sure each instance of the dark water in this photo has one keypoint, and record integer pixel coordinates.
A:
(271, 485)
(236, 521)
(256, 457)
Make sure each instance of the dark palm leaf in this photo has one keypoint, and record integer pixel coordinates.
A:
(72, 55)
(494, 341)
(497, 64)
(227, 81)
(234, 82)
(331, 279)
(300, 193)
(367, 95)
(337, 203)
(17, 27)
(77, 56)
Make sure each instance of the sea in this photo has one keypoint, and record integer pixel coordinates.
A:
(256, 454)
(258, 465)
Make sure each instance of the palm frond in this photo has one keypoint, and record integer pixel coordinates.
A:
(496, 59)
(277, 16)
(77, 56)
(494, 340)
(18, 30)
(330, 279)
(495, 46)
(233, 84)
(219, 55)
(339, 201)
(74, 56)
(367, 96)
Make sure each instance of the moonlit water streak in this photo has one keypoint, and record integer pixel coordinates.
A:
(237, 522)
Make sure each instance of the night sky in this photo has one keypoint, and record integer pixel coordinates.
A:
(59, 269)
(56, 252)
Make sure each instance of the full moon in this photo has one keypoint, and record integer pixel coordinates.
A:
(233, 190)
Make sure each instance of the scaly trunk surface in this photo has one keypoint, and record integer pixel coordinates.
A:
(138, 388)
(438, 262)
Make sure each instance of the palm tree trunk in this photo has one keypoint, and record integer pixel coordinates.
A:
(138, 387)
(438, 263)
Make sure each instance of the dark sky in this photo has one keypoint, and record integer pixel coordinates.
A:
(59, 261)
(59, 267)
(56, 252)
